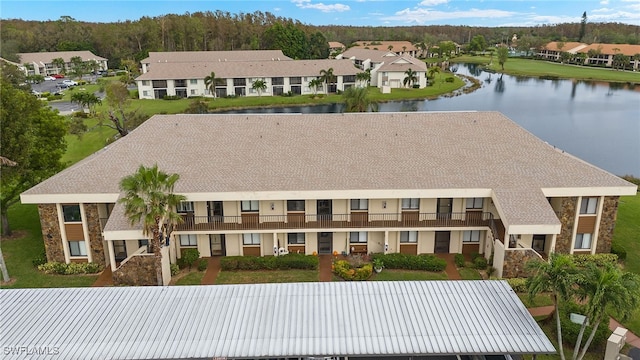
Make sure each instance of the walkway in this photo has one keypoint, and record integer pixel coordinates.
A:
(451, 270)
(213, 269)
(324, 268)
(105, 278)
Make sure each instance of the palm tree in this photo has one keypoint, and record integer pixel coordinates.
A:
(86, 99)
(327, 77)
(411, 78)
(432, 72)
(605, 287)
(259, 86)
(364, 77)
(60, 65)
(149, 198)
(556, 276)
(356, 99)
(315, 84)
(210, 83)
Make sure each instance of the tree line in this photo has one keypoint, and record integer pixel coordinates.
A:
(218, 30)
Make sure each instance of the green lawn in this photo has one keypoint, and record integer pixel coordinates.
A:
(270, 276)
(19, 253)
(538, 300)
(406, 275)
(467, 273)
(548, 326)
(192, 278)
(528, 67)
(93, 140)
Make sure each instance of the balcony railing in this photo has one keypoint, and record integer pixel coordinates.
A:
(354, 220)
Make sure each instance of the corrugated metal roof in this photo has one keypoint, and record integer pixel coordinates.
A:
(271, 320)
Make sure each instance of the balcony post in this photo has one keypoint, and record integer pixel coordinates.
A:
(112, 255)
(386, 241)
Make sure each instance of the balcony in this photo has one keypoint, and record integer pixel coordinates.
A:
(249, 222)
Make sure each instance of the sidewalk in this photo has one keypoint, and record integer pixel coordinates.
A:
(324, 268)
(213, 269)
(105, 278)
(450, 270)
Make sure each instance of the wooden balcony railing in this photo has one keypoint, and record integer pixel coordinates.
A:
(249, 222)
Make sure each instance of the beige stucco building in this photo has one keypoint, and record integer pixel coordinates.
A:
(42, 63)
(450, 182)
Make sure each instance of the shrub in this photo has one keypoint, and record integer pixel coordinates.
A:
(570, 330)
(582, 260)
(619, 251)
(190, 256)
(343, 269)
(459, 260)
(202, 264)
(449, 79)
(174, 269)
(40, 259)
(416, 86)
(70, 269)
(284, 262)
(171, 97)
(518, 285)
(181, 263)
(426, 262)
(480, 263)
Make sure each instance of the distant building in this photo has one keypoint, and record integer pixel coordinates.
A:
(594, 54)
(42, 63)
(182, 57)
(398, 47)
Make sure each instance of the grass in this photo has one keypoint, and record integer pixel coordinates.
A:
(408, 275)
(18, 254)
(93, 140)
(263, 277)
(192, 278)
(467, 273)
(528, 67)
(538, 300)
(548, 326)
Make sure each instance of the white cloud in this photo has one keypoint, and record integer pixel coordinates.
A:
(433, 2)
(421, 16)
(618, 16)
(604, 2)
(602, 10)
(306, 4)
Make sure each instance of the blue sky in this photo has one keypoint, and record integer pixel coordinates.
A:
(344, 12)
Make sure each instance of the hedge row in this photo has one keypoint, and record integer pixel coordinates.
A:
(518, 285)
(284, 262)
(343, 269)
(597, 259)
(70, 269)
(425, 262)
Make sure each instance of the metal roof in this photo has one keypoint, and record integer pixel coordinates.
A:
(270, 320)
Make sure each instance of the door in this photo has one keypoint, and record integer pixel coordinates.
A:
(538, 243)
(217, 243)
(445, 208)
(324, 209)
(325, 241)
(120, 250)
(214, 210)
(443, 239)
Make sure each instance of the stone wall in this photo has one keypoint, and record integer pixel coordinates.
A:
(138, 270)
(95, 234)
(607, 224)
(515, 262)
(51, 232)
(567, 216)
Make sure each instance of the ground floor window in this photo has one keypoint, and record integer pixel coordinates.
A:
(188, 240)
(295, 238)
(358, 237)
(583, 241)
(77, 248)
(408, 236)
(471, 236)
(251, 239)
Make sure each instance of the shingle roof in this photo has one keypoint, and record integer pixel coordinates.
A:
(403, 63)
(566, 46)
(626, 49)
(210, 56)
(47, 57)
(374, 318)
(363, 54)
(384, 45)
(247, 69)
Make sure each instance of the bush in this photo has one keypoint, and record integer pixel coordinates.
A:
(174, 269)
(171, 97)
(449, 79)
(425, 262)
(619, 251)
(518, 285)
(40, 259)
(190, 256)
(416, 86)
(459, 260)
(284, 262)
(582, 260)
(571, 330)
(343, 269)
(480, 263)
(70, 269)
(202, 264)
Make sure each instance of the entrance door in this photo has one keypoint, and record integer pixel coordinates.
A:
(324, 210)
(120, 250)
(443, 239)
(217, 243)
(538, 243)
(444, 208)
(214, 210)
(325, 241)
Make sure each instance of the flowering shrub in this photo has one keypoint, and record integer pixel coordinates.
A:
(345, 270)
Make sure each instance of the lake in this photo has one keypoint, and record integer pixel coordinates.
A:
(596, 121)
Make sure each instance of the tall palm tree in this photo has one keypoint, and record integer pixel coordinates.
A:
(433, 71)
(411, 78)
(210, 82)
(604, 288)
(259, 86)
(327, 77)
(556, 276)
(364, 77)
(356, 99)
(148, 198)
(60, 65)
(314, 84)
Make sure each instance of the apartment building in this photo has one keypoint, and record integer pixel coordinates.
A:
(388, 70)
(264, 185)
(42, 63)
(596, 54)
(156, 57)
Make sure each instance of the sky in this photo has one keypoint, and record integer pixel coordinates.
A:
(490, 13)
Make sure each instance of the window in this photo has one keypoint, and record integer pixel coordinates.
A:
(158, 84)
(145, 92)
(239, 82)
(71, 213)
(295, 80)
(295, 238)
(295, 205)
(583, 241)
(193, 81)
(249, 205)
(589, 205)
(185, 207)
(358, 237)
(188, 240)
(408, 236)
(180, 83)
(143, 242)
(410, 204)
(349, 79)
(77, 248)
(193, 91)
(471, 236)
(250, 239)
(475, 203)
(145, 82)
(277, 81)
(359, 204)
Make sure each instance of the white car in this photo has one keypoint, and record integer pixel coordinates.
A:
(69, 82)
(50, 78)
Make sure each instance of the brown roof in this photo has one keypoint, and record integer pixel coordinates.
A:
(625, 49)
(47, 57)
(568, 46)
(403, 64)
(330, 152)
(335, 45)
(384, 45)
(211, 56)
(364, 54)
(247, 69)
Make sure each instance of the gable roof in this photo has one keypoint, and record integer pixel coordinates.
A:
(404, 63)
(247, 69)
(364, 54)
(384, 45)
(47, 57)
(374, 318)
(211, 56)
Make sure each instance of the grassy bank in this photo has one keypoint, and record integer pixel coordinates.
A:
(528, 67)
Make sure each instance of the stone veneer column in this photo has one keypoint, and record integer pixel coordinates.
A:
(607, 223)
(139, 270)
(515, 262)
(95, 234)
(51, 232)
(567, 216)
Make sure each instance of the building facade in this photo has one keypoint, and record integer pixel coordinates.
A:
(265, 185)
(43, 63)
(388, 70)
(596, 54)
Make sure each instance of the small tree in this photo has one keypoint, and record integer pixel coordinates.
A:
(433, 71)
(327, 78)
(356, 99)
(503, 55)
(210, 83)
(410, 78)
(314, 84)
(60, 65)
(259, 86)
(364, 77)
(190, 256)
(85, 99)
(78, 67)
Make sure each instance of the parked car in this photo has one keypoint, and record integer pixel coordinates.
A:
(69, 82)
(62, 85)
(49, 78)
(58, 76)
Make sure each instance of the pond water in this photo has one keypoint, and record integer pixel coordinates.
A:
(596, 121)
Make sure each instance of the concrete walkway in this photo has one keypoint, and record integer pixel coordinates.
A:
(213, 269)
(105, 278)
(451, 270)
(324, 268)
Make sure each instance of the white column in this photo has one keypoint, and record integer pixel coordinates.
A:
(85, 232)
(63, 234)
(112, 255)
(576, 218)
(386, 241)
(552, 248)
(596, 230)
(275, 244)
